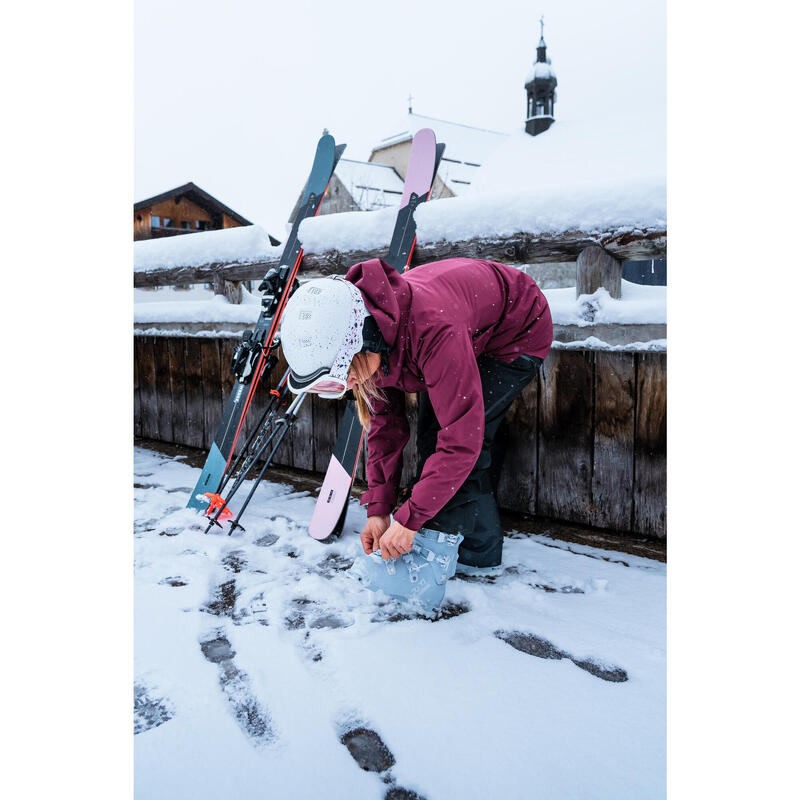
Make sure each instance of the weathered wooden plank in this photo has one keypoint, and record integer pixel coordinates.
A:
(137, 405)
(177, 386)
(517, 487)
(147, 387)
(163, 391)
(226, 347)
(565, 436)
(612, 473)
(521, 248)
(213, 401)
(650, 465)
(303, 437)
(195, 414)
(596, 269)
(325, 427)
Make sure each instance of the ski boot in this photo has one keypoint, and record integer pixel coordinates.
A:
(418, 577)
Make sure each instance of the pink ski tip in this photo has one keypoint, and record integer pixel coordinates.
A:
(332, 496)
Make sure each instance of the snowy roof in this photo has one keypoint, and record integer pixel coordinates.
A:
(467, 147)
(371, 186)
(603, 155)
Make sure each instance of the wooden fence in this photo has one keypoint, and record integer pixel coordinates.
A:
(588, 443)
(519, 248)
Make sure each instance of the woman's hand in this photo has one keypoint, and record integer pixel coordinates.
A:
(396, 541)
(373, 530)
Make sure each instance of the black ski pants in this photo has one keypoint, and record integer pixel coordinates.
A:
(472, 511)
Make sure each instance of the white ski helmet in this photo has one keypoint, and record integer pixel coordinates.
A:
(321, 331)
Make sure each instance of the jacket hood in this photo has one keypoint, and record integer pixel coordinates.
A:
(386, 295)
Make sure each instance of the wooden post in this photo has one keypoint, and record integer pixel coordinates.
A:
(230, 290)
(597, 268)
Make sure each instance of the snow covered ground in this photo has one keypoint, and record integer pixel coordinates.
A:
(261, 669)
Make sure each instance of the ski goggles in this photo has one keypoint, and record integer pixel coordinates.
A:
(322, 382)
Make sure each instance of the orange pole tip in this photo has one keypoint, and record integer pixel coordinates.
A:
(215, 502)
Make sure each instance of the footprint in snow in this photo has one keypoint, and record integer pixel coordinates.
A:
(398, 793)
(541, 648)
(223, 600)
(251, 716)
(234, 561)
(149, 711)
(174, 580)
(371, 754)
(333, 564)
(368, 750)
(305, 613)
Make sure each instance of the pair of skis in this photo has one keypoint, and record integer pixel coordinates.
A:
(330, 512)
(267, 436)
(254, 357)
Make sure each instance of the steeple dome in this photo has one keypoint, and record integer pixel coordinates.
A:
(540, 87)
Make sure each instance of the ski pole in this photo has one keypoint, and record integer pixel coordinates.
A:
(277, 398)
(220, 506)
(286, 422)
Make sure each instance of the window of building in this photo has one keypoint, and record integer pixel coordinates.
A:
(155, 221)
(202, 224)
(539, 108)
(186, 225)
(166, 222)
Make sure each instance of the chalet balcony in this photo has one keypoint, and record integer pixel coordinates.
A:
(160, 231)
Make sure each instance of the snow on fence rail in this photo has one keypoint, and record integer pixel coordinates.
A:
(589, 443)
(621, 244)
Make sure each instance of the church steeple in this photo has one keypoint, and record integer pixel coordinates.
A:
(540, 87)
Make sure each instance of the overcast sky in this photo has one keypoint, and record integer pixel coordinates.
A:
(234, 95)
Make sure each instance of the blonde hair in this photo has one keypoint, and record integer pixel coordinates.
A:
(366, 391)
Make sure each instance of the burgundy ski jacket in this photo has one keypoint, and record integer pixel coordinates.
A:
(437, 319)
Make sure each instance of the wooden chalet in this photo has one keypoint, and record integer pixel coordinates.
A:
(185, 209)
